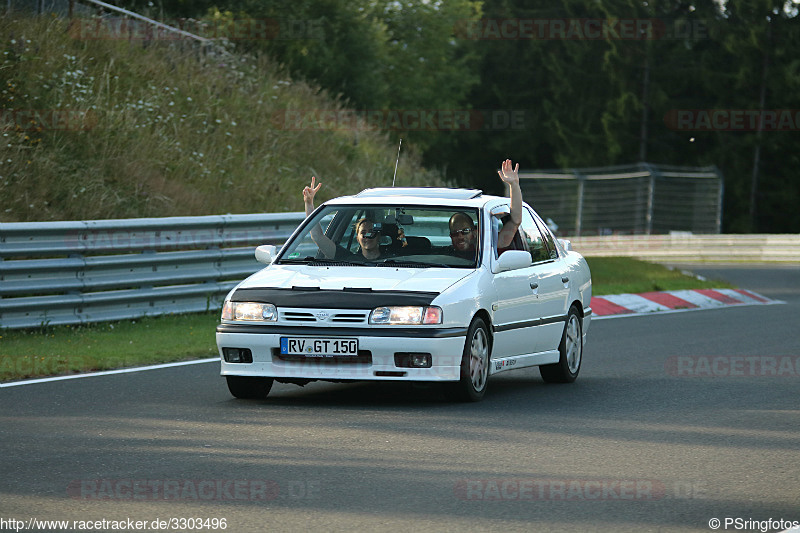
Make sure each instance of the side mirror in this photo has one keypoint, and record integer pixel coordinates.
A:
(566, 244)
(512, 260)
(266, 253)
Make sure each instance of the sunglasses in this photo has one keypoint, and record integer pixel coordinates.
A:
(465, 231)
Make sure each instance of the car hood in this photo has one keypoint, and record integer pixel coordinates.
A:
(338, 278)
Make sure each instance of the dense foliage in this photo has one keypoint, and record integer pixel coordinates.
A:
(585, 101)
(574, 99)
(97, 128)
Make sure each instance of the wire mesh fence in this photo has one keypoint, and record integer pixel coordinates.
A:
(640, 199)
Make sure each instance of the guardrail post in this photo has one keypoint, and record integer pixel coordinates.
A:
(651, 193)
(716, 171)
(581, 180)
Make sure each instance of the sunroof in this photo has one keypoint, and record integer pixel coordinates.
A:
(421, 192)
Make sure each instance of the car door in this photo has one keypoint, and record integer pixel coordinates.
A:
(515, 311)
(530, 309)
(549, 277)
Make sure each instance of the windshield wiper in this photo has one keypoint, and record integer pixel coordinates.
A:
(306, 259)
(411, 264)
(310, 260)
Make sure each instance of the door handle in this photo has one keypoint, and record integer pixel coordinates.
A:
(534, 285)
(564, 279)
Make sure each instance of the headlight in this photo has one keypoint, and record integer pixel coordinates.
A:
(406, 315)
(249, 311)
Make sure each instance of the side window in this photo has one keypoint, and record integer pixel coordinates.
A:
(548, 238)
(533, 238)
(500, 215)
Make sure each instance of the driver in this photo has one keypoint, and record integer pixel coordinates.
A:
(464, 234)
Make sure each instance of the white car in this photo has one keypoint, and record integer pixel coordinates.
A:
(421, 311)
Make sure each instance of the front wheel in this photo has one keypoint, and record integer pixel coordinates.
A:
(474, 365)
(248, 387)
(570, 350)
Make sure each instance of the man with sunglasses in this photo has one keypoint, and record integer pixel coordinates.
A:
(464, 234)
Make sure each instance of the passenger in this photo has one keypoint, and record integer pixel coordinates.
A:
(368, 239)
(365, 235)
(463, 233)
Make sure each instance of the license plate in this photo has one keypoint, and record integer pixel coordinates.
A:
(319, 347)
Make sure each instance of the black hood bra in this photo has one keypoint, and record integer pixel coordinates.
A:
(347, 298)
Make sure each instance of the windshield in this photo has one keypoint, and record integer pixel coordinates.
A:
(405, 236)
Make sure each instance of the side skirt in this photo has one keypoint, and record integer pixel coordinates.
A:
(521, 361)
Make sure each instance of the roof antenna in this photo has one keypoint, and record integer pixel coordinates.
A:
(396, 162)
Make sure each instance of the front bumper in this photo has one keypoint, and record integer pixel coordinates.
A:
(376, 360)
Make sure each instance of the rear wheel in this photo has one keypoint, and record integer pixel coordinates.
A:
(570, 350)
(474, 365)
(248, 387)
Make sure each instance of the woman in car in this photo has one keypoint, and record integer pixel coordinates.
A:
(365, 235)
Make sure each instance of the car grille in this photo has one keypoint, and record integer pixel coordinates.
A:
(322, 316)
(364, 357)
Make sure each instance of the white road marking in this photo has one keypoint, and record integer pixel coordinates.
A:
(107, 372)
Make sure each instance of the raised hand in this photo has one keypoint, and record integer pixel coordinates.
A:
(507, 174)
(310, 192)
(510, 176)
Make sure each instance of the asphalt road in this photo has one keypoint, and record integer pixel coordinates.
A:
(676, 419)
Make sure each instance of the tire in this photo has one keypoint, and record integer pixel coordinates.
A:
(249, 388)
(474, 365)
(570, 350)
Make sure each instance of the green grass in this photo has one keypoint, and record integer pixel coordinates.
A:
(93, 347)
(166, 129)
(619, 275)
(70, 349)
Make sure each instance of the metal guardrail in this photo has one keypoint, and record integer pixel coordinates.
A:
(136, 16)
(94, 19)
(686, 247)
(54, 273)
